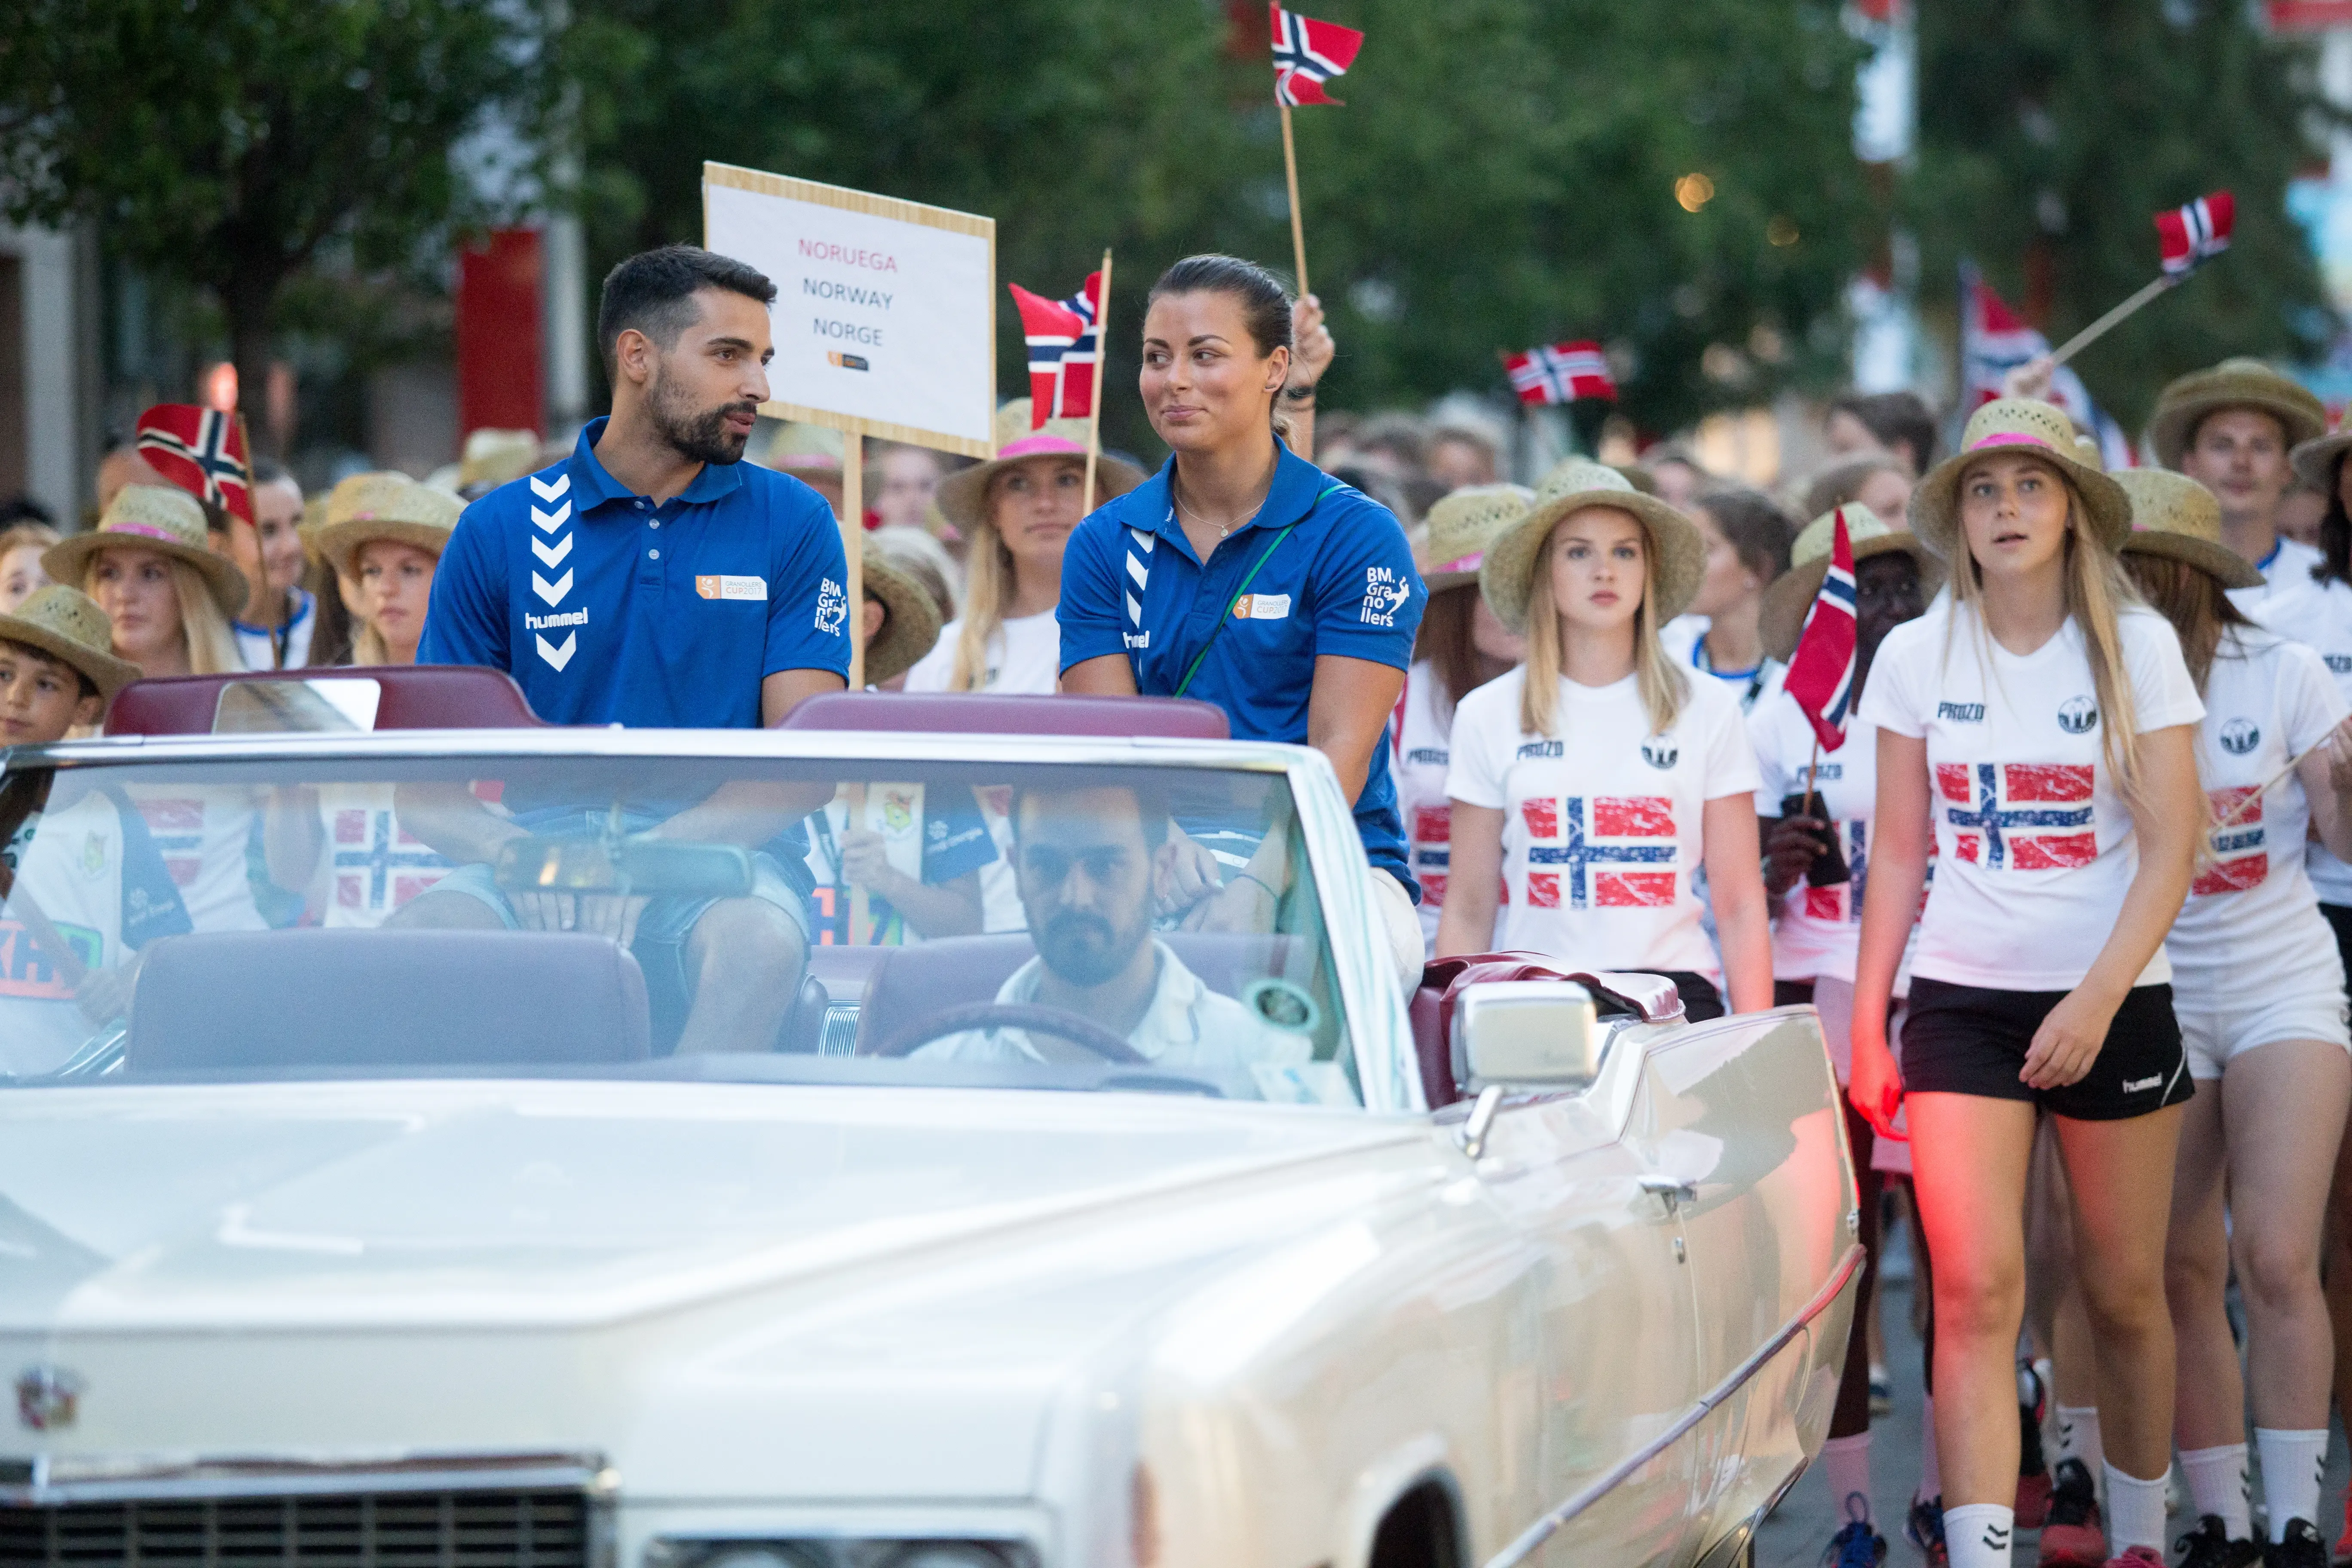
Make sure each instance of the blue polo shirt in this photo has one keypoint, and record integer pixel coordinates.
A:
(608, 609)
(1341, 581)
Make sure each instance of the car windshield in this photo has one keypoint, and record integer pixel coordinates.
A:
(996, 925)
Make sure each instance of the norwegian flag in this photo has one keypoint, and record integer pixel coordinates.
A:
(2242, 856)
(1560, 372)
(1841, 901)
(1995, 339)
(1307, 54)
(1821, 673)
(2019, 817)
(1432, 850)
(202, 450)
(177, 827)
(1063, 350)
(1594, 847)
(379, 866)
(2189, 236)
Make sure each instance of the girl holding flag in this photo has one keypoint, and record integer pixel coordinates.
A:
(2043, 722)
(2266, 1038)
(1854, 581)
(1597, 778)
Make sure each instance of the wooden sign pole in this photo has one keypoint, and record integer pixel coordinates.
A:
(853, 547)
(1298, 224)
(1102, 363)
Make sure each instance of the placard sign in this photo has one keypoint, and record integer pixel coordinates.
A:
(885, 311)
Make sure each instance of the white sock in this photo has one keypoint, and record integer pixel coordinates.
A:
(2135, 1512)
(1931, 1479)
(1977, 1534)
(2292, 1464)
(2217, 1485)
(1846, 1462)
(2078, 1437)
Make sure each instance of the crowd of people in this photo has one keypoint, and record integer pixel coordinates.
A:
(2071, 897)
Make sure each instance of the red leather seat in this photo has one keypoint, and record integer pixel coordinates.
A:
(1651, 996)
(983, 713)
(919, 981)
(386, 998)
(411, 697)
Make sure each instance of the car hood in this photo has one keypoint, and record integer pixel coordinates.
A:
(496, 1206)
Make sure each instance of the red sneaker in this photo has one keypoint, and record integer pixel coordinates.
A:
(2343, 1541)
(2071, 1533)
(2033, 1500)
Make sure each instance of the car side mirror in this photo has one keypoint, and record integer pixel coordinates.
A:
(1525, 1033)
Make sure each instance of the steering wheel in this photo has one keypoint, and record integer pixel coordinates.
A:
(1026, 1015)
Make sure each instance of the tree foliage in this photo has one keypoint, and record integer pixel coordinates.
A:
(226, 144)
(1504, 172)
(2050, 132)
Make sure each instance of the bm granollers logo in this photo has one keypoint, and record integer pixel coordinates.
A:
(1385, 591)
(47, 1398)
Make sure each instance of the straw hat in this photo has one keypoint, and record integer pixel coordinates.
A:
(67, 624)
(1790, 598)
(2176, 517)
(165, 519)
(2011, 423)
(1677, 554)
(963, 495)
(1454, 539)
(497, 457)
(2316, 460)
(369, 507)
(796, 445)
(2232, 384)
(913, 626)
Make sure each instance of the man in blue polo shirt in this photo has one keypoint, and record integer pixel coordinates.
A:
(1243, 576)
(653, 578)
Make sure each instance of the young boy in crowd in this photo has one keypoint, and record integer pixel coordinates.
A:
(82, 887)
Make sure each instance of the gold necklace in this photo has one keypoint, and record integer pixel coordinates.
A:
(1224, 531)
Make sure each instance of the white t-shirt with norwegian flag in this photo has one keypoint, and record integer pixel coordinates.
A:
(1817, 932)
(1422, 750)
(205, 832)
(2319, 615)
(368, 865)
(2251, 910)
(2034, 847)
(1602, 824)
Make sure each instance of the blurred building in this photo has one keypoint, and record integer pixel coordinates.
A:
(50, 395)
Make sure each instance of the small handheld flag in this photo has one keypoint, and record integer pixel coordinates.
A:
(1307, 54)
(202, 450)
(1063, 350)
(2187, 236)
(1560, 372)
(1820, 672)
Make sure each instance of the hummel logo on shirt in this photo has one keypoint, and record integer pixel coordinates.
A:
(1961, 712)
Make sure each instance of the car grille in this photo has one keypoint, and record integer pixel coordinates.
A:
(388, 1529)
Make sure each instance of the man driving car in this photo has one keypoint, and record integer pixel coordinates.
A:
(1083, 861)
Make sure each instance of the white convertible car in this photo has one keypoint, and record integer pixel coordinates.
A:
(1172, 1237)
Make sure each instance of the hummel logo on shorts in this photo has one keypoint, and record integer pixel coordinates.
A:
(2137, 1084)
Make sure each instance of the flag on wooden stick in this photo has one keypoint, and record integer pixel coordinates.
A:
(202, 450)
(1063, 350)
(1560, 372)
(2187, 236)
(1820, 672)
(1307, 54)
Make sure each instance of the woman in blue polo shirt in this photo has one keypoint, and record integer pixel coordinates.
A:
(1243, 576)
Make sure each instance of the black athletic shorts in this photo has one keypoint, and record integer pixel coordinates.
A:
(1969, 1040)
(2340, 921)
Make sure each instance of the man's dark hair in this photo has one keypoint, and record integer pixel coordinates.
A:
(653, 293)
(270, 471)
(1151, 805)
(1897, 420)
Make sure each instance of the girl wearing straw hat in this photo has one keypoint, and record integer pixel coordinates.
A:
(1816, 857)
(1016, 514)
(167, 594)
(2269, 1040)
(1591, 783)
(2042, 722)
(1461, 647)
(385, 532)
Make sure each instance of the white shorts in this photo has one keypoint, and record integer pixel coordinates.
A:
(2213, 1030)
(1400, 925)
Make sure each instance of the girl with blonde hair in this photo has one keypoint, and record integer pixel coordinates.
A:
(1592, 783)
(2043, 721)
(168, 595)
(1017, 512)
